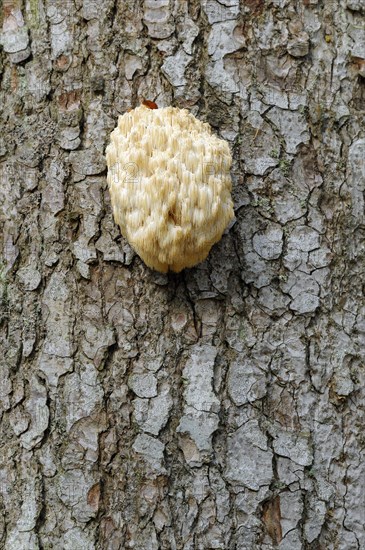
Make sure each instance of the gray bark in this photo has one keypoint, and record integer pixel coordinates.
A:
(223, 407)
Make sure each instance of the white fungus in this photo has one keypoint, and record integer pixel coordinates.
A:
(170, 186)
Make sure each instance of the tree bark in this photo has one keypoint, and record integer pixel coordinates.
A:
(222, 407)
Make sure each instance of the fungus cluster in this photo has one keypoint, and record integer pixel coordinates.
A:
(170, 185)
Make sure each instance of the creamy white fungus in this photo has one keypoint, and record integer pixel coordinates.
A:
(170, 185)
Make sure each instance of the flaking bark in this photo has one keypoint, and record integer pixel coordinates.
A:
(222, 407)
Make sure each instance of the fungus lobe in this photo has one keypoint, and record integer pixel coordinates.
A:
(170, 185)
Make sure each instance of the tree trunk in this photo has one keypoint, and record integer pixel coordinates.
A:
(218, 408)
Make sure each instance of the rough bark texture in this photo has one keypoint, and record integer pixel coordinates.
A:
(221, 408)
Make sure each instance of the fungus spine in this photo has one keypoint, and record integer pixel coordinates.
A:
(170, 185)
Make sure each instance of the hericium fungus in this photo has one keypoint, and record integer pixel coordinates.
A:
(170, 185)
